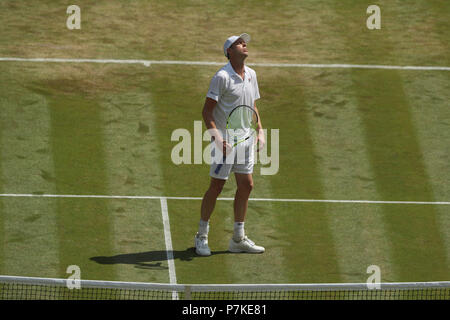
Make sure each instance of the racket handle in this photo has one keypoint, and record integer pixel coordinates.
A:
(219, 166)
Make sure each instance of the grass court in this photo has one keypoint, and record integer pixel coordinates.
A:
(345, 134)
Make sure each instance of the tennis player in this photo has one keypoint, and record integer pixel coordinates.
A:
(234, 84)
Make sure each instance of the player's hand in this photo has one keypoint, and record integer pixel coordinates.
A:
(260, 140)
(223, 146)
(226, 148)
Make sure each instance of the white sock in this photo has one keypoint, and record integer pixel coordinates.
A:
(238, 231)
(203, 228)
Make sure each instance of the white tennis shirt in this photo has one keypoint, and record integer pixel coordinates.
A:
(230, 90)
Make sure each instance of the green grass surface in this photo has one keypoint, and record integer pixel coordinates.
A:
(344, 134)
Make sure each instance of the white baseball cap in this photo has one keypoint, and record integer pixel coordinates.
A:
(232, 39)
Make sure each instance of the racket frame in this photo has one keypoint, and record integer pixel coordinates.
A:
(253, 130)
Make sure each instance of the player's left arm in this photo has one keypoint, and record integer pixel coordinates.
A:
(260, 138)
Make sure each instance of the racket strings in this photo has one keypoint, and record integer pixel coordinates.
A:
(241, 122)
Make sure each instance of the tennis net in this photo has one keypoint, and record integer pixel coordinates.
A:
(29, 288)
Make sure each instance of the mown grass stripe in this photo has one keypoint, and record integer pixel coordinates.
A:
(133, 168)
(78, 152)
(397, 161)
(29, 226)
(305, 237)
(433, 134)
(441, 28)
(428, 96)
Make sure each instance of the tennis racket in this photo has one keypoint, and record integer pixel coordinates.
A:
(242, 123)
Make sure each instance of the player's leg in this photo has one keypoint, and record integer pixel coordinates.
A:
(244, 188)
(210, 198)
(240, 242)
(218, 180)
(208, 204)
(215, 188)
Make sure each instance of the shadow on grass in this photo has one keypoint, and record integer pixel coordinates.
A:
(151, 259)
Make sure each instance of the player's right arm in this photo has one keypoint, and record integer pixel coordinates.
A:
(208, 118)
(207, 113)
(217, 87)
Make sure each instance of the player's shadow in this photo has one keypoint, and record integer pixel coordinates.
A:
(151, 259)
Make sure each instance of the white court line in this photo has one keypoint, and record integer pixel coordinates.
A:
(24, 195)
(169, 247)
(212, 63)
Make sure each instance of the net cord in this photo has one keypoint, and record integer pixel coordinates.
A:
(225, 287)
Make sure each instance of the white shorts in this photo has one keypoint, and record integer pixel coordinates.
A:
(240, 160)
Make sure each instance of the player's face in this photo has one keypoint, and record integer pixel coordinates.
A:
(239, 48)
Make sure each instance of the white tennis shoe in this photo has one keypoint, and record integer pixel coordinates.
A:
(245, 245)
(201, 245)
